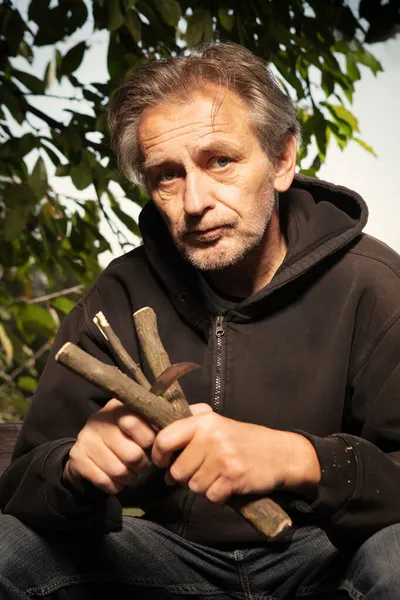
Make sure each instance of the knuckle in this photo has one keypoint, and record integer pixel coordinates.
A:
(161, 444)
(235, 470)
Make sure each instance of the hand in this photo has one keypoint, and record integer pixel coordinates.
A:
(221, 457)
(110, 450)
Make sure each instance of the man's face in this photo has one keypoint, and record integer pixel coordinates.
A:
(208, 176)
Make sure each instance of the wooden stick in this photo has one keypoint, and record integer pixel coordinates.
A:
(118, 349)
(157, 357)
(263, 513)
(153, 409)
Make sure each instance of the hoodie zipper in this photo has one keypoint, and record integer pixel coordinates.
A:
(219, 333)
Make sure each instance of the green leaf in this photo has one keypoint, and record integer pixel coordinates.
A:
(30, 81)
(63, 170)
(115, 58)
(352, 70)
(128, 221)
(195, 27)
(72, 60)
(365, 146)
(13, 103)
(19, 201)
(27, 143)
(51, 154)
(366, 58)
(37, 10)
(122, 216)
(38, 178)
(78, 14)
(226, 19)
(345, 115)
(14, 28)
(321, 134)
(34, 318)
(6, 345)
(169, 10)
(26, 383)
(63, 304)
(134, 25)
(81, 177)
(115, 15)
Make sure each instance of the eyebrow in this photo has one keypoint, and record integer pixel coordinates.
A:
(218, 146)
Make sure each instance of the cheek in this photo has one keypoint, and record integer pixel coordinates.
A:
(169, 208)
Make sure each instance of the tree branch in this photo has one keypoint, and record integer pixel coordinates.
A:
(146, 326)
(263, 513)
(119, 351)
(72, 290)
(37, 355)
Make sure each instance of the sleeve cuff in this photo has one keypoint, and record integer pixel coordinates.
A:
(339, 476)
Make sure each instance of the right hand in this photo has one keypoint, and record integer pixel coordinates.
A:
(110, 449)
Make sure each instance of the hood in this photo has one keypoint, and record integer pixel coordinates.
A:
(318, 218)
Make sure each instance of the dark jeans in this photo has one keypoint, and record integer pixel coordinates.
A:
(146, 561)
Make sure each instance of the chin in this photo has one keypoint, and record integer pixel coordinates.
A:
(213, 259)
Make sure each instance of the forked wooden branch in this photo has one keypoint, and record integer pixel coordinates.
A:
(263, 513)
(157, 357)
(153, 409)
(118, 349)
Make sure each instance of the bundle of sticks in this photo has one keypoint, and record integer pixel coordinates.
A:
(161, 402)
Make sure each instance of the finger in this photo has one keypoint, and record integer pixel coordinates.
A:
(101, 479)
(219, 491)
(135, 428)
(203, 478)
(85, 468)
(187, 463)
(106, 459)
(126, 452)
(200, 409)
(174, 437)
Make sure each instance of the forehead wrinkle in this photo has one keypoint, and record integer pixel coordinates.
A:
(165, 134)
(195, 147)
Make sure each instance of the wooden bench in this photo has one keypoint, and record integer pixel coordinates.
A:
(8, 437)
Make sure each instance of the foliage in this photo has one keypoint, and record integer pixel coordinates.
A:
(50, 244)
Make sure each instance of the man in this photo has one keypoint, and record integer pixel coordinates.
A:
(265, 279)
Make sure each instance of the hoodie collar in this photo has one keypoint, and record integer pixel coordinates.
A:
(317, 217)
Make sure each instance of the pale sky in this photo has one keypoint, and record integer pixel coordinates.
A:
(376, 105)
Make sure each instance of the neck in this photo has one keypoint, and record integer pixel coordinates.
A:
(258, 267)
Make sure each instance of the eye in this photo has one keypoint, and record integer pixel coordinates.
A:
(168, 175)
(222, 161)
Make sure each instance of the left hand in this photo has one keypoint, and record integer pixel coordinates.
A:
(221, 457)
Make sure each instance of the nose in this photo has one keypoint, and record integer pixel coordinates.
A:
(197, 196)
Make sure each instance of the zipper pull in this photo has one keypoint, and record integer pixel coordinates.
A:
(219, 326)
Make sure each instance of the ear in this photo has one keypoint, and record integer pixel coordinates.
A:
(285, 166)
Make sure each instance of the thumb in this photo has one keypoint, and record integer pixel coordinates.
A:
(200, 408)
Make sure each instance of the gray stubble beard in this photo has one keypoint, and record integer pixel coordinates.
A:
(226, 258)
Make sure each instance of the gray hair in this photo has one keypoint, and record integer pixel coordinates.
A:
(226, 65)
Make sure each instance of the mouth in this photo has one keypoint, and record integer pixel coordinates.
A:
(210, 234)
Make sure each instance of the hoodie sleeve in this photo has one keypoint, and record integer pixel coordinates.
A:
(359, 489)
(61, 406)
